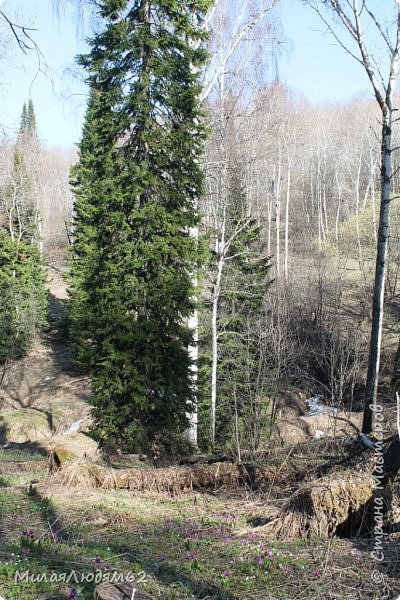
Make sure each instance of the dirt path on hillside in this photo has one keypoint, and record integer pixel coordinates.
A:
(44, 384)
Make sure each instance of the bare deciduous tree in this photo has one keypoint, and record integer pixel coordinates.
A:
(353, 17)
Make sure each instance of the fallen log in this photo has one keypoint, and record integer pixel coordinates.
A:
(207, 460)
(171, 479)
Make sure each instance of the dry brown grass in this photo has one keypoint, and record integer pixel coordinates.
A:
(319, 508)
(172, 479)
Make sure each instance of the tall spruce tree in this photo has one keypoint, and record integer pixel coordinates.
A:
(23, 121)
(31, 128)
(23, 298)
(136, 186)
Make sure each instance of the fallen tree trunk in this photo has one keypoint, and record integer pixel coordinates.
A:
(172, 479)
(343, 504)
(207, 460)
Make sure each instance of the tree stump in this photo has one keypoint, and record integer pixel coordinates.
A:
(120, 591)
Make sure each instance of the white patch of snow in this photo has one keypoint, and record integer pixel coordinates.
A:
(73, 428)
(318, 434)
(315, 406)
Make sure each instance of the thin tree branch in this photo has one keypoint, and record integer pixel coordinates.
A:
(380, 28)
(364, 439)
(238, 37)
(17, 30)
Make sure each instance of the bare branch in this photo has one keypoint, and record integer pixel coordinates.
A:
(364, 439)
(234, 43)
(380, 28)
(335, 35)
(365, 57)
(21, 34)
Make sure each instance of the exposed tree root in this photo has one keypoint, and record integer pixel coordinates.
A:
(319, 509)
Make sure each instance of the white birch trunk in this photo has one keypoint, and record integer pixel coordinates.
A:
(357, 194)
(277, 194)
(214, 346)
(380, 273)
(288, 190)
(338, 208)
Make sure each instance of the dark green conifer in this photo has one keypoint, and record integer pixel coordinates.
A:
(23, 297)
(31, 128)
(136, 186)
(241, 370)
(24, 121)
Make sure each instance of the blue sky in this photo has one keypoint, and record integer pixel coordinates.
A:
(311, 63)
(58, 92)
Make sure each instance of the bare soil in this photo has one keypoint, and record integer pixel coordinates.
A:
(43, 388)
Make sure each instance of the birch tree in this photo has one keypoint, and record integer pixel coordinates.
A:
(233, 49)
(354, 19)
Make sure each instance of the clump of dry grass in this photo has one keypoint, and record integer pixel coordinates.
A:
(318, 509)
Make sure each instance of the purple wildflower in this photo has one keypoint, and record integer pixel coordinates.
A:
(227, 539)
(190, 534)
(192, 555)
(314, 573)
(29, 534)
